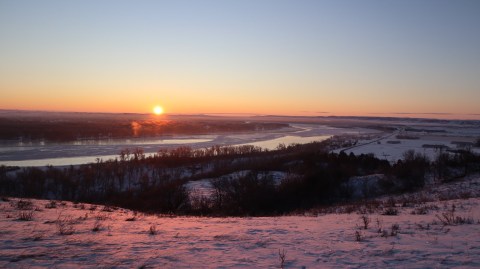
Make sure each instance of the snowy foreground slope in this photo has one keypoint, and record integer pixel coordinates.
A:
(430, 230)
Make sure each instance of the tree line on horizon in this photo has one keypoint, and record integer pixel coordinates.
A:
(65, 130)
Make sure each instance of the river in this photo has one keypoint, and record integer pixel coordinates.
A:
(81, 152)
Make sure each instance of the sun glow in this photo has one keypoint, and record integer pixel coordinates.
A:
(157, 110)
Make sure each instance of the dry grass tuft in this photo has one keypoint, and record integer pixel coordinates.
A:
(65, 225)
(365, 221)
(358, 236)
(450, 218)
(97, 226)
(282, 255)
(25, 216)
(152, 230)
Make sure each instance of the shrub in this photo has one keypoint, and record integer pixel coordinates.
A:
(423, 210)
(390, 211)
(411, 170)
(24, 205)
(383, 233)
(423, 227)
(166, 197)
(51, 204)
(253, 194)
(395, 229)
(108, 208)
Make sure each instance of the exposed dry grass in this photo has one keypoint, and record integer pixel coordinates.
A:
(451, 218)
(152, 230)
(97, 226)
(25, 215)
(282, 255)
(65, 225)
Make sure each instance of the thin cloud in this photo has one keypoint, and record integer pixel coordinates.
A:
(316, 112)
(413, 113)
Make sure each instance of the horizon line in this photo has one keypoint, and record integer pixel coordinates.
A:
(240, 114)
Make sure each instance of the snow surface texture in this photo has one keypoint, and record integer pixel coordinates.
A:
(66, 235)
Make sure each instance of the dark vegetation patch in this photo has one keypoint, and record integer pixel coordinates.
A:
(156, 184)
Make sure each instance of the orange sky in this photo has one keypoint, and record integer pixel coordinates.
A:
(291, 58)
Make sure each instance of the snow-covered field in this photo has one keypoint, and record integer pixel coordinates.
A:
(437, 227)
(66, 235)
(426, 140)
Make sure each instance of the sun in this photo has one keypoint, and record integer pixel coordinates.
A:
(157, 110)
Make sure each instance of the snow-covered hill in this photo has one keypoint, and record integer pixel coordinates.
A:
(432, 232)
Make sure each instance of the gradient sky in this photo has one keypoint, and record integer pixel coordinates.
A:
(294, 57)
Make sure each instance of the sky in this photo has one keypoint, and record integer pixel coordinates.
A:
(298, 57)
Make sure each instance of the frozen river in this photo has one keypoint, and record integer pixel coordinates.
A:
(80, 152)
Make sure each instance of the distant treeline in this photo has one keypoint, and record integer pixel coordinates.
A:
(315, 177)
(28, 129)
